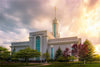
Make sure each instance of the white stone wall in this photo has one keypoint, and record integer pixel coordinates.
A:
(43, 41)
(18, 48)
(62, 46)
(19, 45)
(63, 43)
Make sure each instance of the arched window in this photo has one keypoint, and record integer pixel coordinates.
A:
(38, 45)
(51, 53)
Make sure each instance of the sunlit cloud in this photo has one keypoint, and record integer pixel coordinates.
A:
(97, 49)
(76, 18)
(90, 21)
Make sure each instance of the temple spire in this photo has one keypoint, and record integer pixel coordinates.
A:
(55, 11)
(55, 27)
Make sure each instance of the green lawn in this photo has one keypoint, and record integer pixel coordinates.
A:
(17, 65)
(72, 65)
(51, 65)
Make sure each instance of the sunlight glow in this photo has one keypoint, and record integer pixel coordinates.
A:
(53, 3)
(86, 1)
(90, 20)
(97, 49)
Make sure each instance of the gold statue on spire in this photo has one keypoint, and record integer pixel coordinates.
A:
(55, 11)
(55, 8)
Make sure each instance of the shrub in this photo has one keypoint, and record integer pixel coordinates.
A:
(61, 59)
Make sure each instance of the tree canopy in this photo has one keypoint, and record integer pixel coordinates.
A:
(75, 50)
(83, 51)
(90, 49)
(4, 53)
(66, 53)
(27, 53)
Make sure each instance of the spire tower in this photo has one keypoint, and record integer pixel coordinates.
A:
(55, 27)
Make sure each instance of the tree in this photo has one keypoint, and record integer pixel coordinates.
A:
(58, 53)
(13, 58)
(46, 56)
(4, 53)
(66, 53)
(27, 53)
(90, 50)
(75, 50)
(83, 51)
(96, 57)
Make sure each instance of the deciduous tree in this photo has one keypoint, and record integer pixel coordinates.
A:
(90, 53)
(4, 53)
(66, 53)
(96, 57)
(46, 56)
(27, 53)
(75, 50)
(83, 51)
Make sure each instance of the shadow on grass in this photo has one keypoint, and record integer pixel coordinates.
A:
(17, 65)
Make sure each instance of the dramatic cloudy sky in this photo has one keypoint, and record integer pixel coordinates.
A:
(76, 18)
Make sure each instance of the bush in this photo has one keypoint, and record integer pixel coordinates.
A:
(14, 59)
(61, 59)
(71, 58)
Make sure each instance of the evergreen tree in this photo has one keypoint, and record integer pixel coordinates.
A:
(58, 53)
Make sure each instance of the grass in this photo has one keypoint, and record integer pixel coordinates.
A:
(71, 65)
(17, 65)
(53, 64)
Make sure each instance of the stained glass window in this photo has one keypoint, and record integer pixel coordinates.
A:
(38, 45)
(51, 53)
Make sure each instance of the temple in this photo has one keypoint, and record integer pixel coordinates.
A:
(44, 40)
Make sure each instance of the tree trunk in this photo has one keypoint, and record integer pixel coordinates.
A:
(26, 60)
(84, 61)
(46, 61)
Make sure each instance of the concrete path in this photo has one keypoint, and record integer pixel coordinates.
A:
(38, 65)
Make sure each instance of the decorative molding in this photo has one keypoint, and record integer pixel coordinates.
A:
(19, 42)
(63, 40)
(19, 46)
(38, 33)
